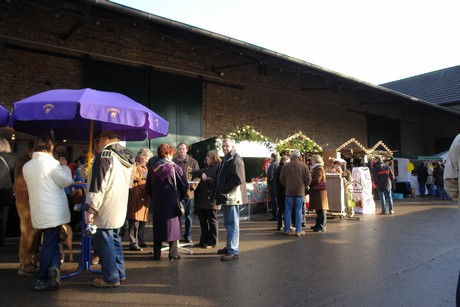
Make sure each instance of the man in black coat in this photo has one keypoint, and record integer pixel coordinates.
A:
(231, 193)
(382, 176)
(272, 186)
(422, 177)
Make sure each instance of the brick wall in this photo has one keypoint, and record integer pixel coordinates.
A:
(240, 86)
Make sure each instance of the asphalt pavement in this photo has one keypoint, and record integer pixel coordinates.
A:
(411, 258)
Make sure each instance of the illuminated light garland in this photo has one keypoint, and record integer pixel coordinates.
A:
(248, 133)
(380, 143)
(353, 140)
(298, 141)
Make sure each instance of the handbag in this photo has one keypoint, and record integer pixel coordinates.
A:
(180, 209)
(320, 186)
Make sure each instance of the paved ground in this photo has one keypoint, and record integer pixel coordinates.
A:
(407, 259)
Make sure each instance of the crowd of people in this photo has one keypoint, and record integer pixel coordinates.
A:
(122, 188)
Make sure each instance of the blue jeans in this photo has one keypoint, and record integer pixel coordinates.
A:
(442, 193)
(50, 253)
(386, 194)
(107, 243)
(422, 188)
(296, 203)
(188, 204)
(232, 225)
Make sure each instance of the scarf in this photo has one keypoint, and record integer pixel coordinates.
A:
(164, 168)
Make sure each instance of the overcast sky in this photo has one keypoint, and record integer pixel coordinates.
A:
(374, 41)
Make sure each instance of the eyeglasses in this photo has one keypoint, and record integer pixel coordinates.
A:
(97, 140)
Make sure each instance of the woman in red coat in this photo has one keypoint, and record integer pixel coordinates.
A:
(162, 179)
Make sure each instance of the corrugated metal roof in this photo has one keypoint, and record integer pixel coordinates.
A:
(438, 87)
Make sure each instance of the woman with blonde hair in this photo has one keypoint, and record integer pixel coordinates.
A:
(138, 202)
(318, 192)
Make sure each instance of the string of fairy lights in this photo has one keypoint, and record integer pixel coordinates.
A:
(298, 141)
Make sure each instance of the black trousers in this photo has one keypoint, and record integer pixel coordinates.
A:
(4, 210)
(209, 226)
(157, 249)
(321, 218)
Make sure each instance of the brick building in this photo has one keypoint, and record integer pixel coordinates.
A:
(203, 83)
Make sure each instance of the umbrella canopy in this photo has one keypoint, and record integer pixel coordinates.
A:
(70, 114)
(4, 116)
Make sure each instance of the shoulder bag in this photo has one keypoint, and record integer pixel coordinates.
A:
(180, 209)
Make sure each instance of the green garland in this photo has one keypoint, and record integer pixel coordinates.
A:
(248, 133)
(297, 142)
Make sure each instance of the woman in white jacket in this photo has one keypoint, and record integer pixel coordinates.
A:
(46, 179)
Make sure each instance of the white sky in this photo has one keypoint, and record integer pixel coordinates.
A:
(374, 41)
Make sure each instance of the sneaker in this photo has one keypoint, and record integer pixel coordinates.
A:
(383, 213)
(299, 234)
(285, 233)
(222, 251)
(392, 212)
(143, 244)
(229, 257)
(186, 241)
(174, 258)
(41, 285)
(55, 276)
(319, 229)
(135, 247)
(122, 279)
(100, 283)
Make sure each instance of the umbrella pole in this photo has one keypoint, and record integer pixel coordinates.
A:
(90, 149)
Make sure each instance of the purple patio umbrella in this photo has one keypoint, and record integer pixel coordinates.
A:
(78, 114)
(4, 116)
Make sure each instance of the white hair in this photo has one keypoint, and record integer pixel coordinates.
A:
(4, 145)
(146, 153)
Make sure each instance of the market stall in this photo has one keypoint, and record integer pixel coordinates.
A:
(354, 157)
(298, 141)
(254, 148)
(405, 172)
(353, 152)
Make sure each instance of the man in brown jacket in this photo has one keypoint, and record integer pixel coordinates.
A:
(295, 177)
(187, 164)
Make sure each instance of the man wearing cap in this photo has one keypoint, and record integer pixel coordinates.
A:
(106, 205)
(295, 177)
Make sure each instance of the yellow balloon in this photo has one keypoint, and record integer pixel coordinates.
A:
(410, 166)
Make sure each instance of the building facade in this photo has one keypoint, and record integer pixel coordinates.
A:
(203, 83)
